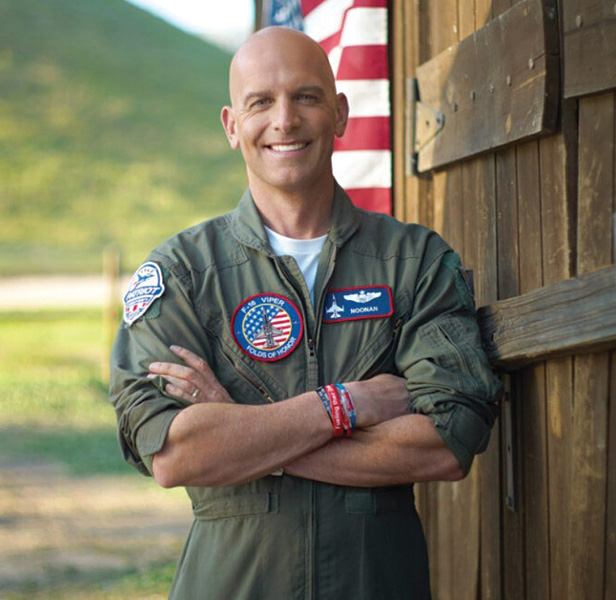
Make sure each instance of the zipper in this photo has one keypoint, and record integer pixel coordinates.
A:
(249, 378)
(374, 370)
(454, 347)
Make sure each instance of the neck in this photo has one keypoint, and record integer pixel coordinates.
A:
(295, 215)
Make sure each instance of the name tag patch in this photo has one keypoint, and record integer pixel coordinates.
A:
(267, 327)
(144, 288)
(352, 304)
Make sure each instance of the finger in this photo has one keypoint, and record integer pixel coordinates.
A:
(167, 369)
(178, 392)
(194, 361)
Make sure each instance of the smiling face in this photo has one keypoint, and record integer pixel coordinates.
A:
(285, 113)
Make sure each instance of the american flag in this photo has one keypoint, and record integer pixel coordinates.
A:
(256, 328)
(354, 34)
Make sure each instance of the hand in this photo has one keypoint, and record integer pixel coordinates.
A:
(379, 399)
(194, 383)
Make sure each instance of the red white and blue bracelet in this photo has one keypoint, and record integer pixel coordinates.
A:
(339, 406)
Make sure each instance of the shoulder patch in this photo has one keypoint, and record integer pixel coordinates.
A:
(463, 279)
(145, 287)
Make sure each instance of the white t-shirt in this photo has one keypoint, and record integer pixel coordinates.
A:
(305, 252)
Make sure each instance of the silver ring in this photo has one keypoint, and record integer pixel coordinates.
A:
(195, 393)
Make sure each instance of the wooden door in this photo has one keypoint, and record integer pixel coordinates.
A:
(524, 189)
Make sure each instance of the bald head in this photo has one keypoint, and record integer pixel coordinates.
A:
(272, 47)
(284, 114)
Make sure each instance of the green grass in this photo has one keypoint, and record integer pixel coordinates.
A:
(54, 409)
(152, 584)
(52, 399)
(109, 133)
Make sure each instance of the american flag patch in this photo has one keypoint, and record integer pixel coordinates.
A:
(267, 327)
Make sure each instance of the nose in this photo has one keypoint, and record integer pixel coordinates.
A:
(286, 117)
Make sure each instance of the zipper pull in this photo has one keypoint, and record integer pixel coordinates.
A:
(266, 395)
(311, 346)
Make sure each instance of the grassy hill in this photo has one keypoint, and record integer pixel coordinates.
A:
(109, 133)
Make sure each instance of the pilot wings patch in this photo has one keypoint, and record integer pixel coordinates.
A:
(351, 304)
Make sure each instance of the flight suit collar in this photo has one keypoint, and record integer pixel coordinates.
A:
(247, 226)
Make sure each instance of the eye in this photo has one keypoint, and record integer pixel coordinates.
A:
(306, 97)
(261, 102)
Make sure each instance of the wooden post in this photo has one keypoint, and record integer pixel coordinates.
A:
(111, 315)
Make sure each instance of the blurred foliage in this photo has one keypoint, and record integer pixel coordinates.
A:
(109, 132)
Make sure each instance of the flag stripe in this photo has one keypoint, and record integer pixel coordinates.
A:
(365, 27)
(363, 62)
(362, 168)
(367, 97)
(326, 19)
(365, 133)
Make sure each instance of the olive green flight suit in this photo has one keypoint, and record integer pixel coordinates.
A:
(283, 537)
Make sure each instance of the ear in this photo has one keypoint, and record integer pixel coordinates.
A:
(342, 114)
(228, 122)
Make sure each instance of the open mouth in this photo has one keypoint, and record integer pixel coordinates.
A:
(287, 147)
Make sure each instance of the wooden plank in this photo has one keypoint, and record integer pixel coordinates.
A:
(532, 382)
(558, 166)
(398, 90)
(498, 86)
(416, 50)
(529, 217)
(534, 473)
(499, 7)
(589, 47)
(465, 550)
(588, 484)
(446, 517)
(591, 372)
(508, 286)
(559, 391)
(569, 317)
(596, 182)
(513, 522)
(507, 224)
(466, 18)
(610, 530)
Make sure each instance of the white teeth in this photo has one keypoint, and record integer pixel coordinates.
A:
(287, 147)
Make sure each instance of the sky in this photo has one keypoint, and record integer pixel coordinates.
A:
(227, 22)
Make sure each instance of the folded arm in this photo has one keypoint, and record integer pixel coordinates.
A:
(216, 442)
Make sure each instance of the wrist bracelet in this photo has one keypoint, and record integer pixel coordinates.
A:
(336, 409)
(347, 402)
(325, 401)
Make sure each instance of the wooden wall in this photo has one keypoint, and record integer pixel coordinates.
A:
(523, 217)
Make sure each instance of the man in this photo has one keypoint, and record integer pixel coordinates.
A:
(251, 313)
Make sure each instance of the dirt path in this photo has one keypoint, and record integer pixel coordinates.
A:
(56, 291)
(54, 527)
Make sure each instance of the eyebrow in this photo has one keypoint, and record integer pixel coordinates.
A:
(303, 89)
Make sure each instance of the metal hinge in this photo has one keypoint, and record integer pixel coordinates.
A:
(423, 124)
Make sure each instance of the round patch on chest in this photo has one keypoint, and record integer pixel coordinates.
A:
(267, 327)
